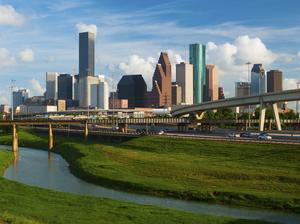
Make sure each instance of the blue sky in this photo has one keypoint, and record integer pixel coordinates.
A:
(39, 36)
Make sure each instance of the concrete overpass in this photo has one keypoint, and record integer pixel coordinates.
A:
(262, 100)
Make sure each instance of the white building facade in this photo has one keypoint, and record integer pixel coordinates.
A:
(184, 78)
(94, 92)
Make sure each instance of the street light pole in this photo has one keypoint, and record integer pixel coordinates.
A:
(249, 86)
(11, 88)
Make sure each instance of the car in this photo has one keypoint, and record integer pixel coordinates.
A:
(233, 135)
(264, 136)
(161, 132)
(246, 135)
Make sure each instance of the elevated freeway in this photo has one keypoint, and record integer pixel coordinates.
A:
(263, 100)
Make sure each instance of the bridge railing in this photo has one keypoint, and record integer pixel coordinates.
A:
(140, 121)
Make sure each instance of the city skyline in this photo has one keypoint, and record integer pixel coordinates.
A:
(31, 53)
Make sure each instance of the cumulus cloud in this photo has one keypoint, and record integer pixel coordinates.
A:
(27, 55)
(175, 58)
(298, 54)
(231, 57)
(6, 59)
(290, 83)
(82, 27)
(146, 66)
(36, 87)
(139, 65)
(254, 50)
(9, 16)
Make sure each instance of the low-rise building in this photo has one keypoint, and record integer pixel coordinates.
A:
(4, 109)
(61, 105)
(118, 103)
(36, 109)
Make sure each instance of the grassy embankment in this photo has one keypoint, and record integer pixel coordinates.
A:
(264, 176)
(24, 204)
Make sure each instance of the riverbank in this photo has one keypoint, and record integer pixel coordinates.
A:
(263, 176)
(25, 204)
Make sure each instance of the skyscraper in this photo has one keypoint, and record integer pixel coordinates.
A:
(86, 67)
(134, 89)
(221, 93)
(258, 80)
(184, 78)
(19, 97)
(99, 93)
(242, 89)
(274, 81)
(198, 60)
(161, 95)
(51, 85)
(86, 54)
(65, 87)
(212, 83)
(85, 84)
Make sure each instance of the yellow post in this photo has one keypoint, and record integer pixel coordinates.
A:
(16, 157)
(14, 138)
(50, 138)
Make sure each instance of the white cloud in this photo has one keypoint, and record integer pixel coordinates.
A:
(254, 50)
(231, 57)
(139, 65)
(290, 83)
(6, 59)
(146, 66)
(9, 16)
(298, 54)
(36, 87)
(175, 58)
(27, 55)
(82, 27)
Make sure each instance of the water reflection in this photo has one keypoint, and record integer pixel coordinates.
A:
(16, 158)
(51, 171)
(50, 155)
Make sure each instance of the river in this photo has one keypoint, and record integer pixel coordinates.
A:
(51, 171)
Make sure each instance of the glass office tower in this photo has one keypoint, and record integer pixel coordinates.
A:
(258, 80)
(86, 54)
(198, 60)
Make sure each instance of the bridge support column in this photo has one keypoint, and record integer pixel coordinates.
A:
(200, 115)
(123, 128)
(262, 118)
(86, 130)
(276, 116)
(270, 124)
(50, 140)
(15, 138)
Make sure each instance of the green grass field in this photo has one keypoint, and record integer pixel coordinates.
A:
(21, 204)
(258, 175)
